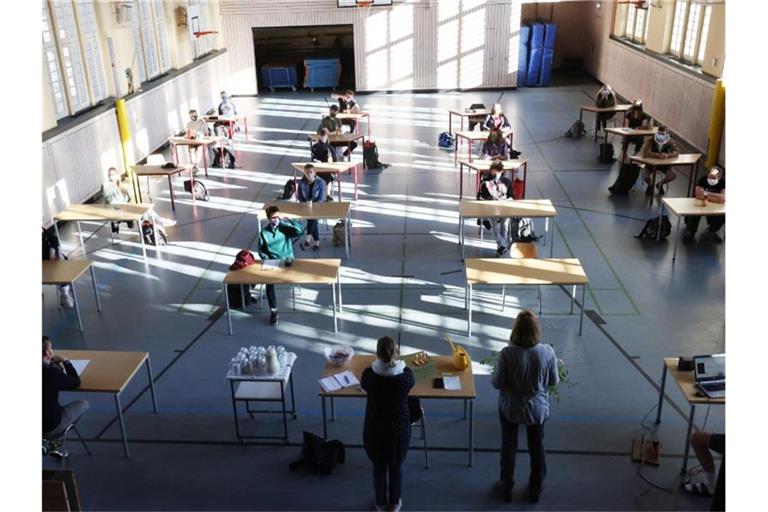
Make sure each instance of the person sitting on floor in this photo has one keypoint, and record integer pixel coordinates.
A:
(495, 146)
(59, 375)
(712, 188)
(703, 444)
(496, 119)
(605, 98)
(276, 243)
(494, 187)
(660, 145)
(115, 192)
(197, 128)
(311, 190)
(333, 124)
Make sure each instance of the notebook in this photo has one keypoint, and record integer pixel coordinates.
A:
(340, 380)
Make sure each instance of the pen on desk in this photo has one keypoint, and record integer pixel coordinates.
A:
(346, 379)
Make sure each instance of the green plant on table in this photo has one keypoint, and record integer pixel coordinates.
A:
(562, 371)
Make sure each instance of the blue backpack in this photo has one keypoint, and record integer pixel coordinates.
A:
(446, 140)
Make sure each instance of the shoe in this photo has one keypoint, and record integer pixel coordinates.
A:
(500, 251)
(479, 222)
(273, 318)
(397, 506)
(115, 227)
(714, 237)
(687, 236)
(328, 199)
(487, 224)
(60, 453)
(534, 495)
(698, 485)
(649, 190)
(316, 247)
(660, 188)
(168, 223)
(304, 245)
(195, 170)
(380, 508)
(506, 490)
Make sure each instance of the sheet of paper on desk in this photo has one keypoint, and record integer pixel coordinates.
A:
(330, 383)
(270, 264)
(451, 382)
(346, 379)
(80, 364)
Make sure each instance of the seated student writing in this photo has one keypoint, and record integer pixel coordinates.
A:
(324, 151)
(115, 192)
(605, 98)
(494, 187)
(311, 190)
(495, 146)
(348, 105)
(333, 124)
(276, 243)
(636, 118)
(196, 129)
(59, 375)
(497, 119)
(226, 109)
(661, 146)
(712, 188)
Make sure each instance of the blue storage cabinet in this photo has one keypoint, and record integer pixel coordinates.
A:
(550, 29)
(534, 65)
(537, 35)
(545, 77)
(322, 73)
(279, 75)
(522, 57)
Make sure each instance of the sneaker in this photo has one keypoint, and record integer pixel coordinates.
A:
(115, 227)
(534, 495)
(506, 490)
(304, 245)
(487, 224)
(195, 170)
(500, 251)
(273, 318)
(316, 247)
(328, 199)
(649, 190)
(714, 237)
(168, 223)
(699, 485)
(397, 506)
(660, 188)
(687, 236)
(65, 297)
(380, 508)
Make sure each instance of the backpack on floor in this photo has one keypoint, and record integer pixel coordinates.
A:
(201, 191)
(236, 293)
(371, 155)
(651, 228)
(521, 229)
(339, 233)
(576, 130)
(606, 153)
(229, 159)
(518, 188)
(446, 140)
(51, 243)
(153, 234)
(628, 173)
(318, 455)
(289, 189)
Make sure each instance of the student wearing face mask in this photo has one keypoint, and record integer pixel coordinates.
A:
(115, 192)
(347, 104)
(196, 129)
(495, 146)
(226, 109)
(605, 98)
(660, 146)
(276, 243)
(324, 151)
(635, 118)
(333, 125)
(495, 187)
(711, 187)
(311, 190)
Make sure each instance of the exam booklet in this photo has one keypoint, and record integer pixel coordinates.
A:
(340, 380)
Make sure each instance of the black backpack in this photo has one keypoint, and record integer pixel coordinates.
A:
(289, 189)
(51, 242)
(576, 130)
(318, 455)
(153, 235)
(606, 153)
(229, 158)
(201, 191)
(521, 229)
(371, 155)
(236, 297)
(651, 228)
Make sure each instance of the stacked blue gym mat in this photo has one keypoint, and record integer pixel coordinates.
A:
(537, 48)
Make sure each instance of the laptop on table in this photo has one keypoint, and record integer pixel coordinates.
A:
(709, 372)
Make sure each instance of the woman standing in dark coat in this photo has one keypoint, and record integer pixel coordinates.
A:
(387, 431)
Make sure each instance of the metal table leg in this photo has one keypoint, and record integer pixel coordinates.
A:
(234, 407)
(151, 385)
(205, 159)
(335, 321)
(677, 237)
(349, 234)
(461, 236)
(229, 314)
(325, 422)
(80, 234)
(540, 299)
(658, 229)
(77, 306)
(333, 410)
(141, 237)
(661, 392)
(170, 188)
(469, 310)
(687, 448)
(471, 429)
(95, 289)
(573, 297)
(122, 424)
(341, 302)
(552, 242)
(461, 180)
(583, 305)
(285, 418)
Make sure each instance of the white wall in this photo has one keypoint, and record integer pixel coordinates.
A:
(75, 162)
(416, 44)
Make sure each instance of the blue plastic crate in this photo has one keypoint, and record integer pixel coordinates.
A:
(322, 73)
(281, 75)
(550, 30)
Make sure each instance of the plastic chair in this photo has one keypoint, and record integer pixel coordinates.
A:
(416, 413)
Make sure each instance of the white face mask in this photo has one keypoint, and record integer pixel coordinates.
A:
(274, 222)
(661, 138)
(712, 182)
(311, 177)
(114, 177)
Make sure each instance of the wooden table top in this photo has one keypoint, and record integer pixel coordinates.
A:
(158, 170)
(225, 119)
(687, 384)
(507, 208)
(632, 132)
(682, 159)
(117, 213)
(524, 271)
(615, 108)
(692, 206)
(483, 164)
(63, 271)
(294, 210)
(422, 389)
(108, 371)
(184, 141)
(479, 135)
(325, 166)
(337, 137)
(303, 271)
(464, 113)
(352, 115)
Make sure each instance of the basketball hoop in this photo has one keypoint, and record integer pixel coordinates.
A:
(364, 3)
(204, 33)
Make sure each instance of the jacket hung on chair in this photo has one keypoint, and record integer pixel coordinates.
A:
(387, 431)
(55, 380)
(277, 243)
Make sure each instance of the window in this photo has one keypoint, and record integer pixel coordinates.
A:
(198, 21)
(150, 39)
(72, 55)
(690, 28)
(637, 25)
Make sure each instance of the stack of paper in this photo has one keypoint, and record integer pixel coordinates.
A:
(270, 264)
(451, 382)
(338, 381)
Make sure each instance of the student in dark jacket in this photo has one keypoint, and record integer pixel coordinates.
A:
(496, 187)
(387, 431)
(635, 118)
(58, 375)
(324, 151)
(333, 124)
(605, 98)
(276, 243)
(660, 146)
(495, 146)
(311, 190)
(497, 119)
